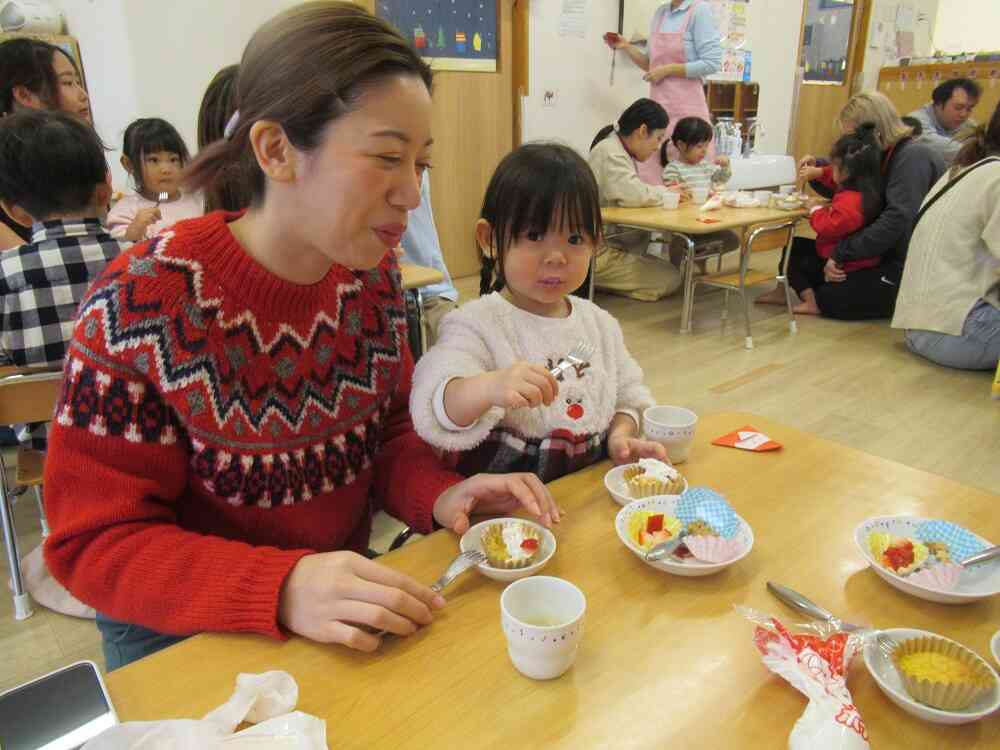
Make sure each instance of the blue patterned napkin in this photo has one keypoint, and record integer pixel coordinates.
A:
(702, 504)
(961, 543)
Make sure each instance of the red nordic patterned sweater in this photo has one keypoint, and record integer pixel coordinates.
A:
(218, 423)
(844, 216)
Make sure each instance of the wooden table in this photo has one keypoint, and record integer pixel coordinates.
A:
(683, 222)
(414, 278)
(663, 659)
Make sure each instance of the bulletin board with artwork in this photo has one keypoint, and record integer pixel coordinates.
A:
(449, 34)
(66, 43)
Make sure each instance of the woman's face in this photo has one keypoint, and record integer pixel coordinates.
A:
(70, 96)
(643, 143)
(352, 194)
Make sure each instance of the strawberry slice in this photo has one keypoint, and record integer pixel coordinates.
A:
(529, 545)
(654, 523)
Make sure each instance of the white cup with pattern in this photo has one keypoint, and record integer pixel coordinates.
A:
(673, 427)
(542, 620)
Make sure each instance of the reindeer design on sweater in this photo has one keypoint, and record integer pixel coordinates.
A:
(569, 410)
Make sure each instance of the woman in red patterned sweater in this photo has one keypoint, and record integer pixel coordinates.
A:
(235, 401)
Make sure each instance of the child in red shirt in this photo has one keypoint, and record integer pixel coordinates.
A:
(854, 173)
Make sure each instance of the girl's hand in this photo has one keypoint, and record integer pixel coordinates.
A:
(628, 450)
(808, 174)
(722, 161)
(523, 384)
(494, 494)
(815, 201)
(684, 190)
(145, 217)
(807, 161)
(327, 596)
(833, 272)
(664, 71)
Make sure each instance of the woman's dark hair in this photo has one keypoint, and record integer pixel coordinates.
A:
(640, 112)
(538, 187)
(50, 163)
(691, 131)
(28, 63)
(303, 69)
(982, 142)
(860, 160)
(217, 106)
(148, 135)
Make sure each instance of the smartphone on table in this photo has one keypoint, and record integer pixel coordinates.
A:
(61, 711)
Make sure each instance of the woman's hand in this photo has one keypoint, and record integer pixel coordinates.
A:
(655, 75)
(523, 384)
(627, 450)
(833, 272)
(615, 41)
(327, 596)
(495, 494)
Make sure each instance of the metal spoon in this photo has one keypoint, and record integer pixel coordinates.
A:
(984, 556)
(665, 549)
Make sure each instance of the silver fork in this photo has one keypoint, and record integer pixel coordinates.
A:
(578, 355)
(459, 565)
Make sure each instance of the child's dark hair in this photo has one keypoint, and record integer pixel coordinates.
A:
(302, 70)
(982, 142)
(690, 131)
(217, 107)
(50, 163)
(148, 135)
(860, 161)
(535, 186)
(914, 124)
(640, 112)
(28, 63)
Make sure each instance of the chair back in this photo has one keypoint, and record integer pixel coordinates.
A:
(29, 395)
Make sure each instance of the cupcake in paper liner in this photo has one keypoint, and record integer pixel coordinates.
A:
(511, 545)
(647, 529)
(943, 576)
(706, 513)
(650, 477)
(713, 549)
(941, 673)
(948, 541)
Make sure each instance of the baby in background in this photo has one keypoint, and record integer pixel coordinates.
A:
(691, 138)
(491, 394)
(154, 154)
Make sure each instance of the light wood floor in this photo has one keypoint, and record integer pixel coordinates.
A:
(852, 383)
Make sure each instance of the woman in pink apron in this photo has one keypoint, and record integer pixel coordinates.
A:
(668, 64)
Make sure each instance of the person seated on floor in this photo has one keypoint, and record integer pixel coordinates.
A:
(53, 180)
(422, 246)
(946, 118)
(615, 156)
(949, 299)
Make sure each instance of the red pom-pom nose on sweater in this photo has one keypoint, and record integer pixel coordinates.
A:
(575, 411)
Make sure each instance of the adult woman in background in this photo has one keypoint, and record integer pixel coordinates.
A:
(909, 169)
(683, 48)
(949, 298)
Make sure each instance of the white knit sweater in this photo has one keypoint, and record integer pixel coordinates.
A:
(492, 334)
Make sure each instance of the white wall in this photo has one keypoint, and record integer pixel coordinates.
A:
(967, 26)
(149, 58)
(578, 70)
(881, 50)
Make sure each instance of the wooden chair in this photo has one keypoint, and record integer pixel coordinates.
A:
(25, 396)
(760, 239)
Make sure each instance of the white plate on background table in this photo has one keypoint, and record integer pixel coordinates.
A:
(614, 482)
(883, 671)
(978, 582)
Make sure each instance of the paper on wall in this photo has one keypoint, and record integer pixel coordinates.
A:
(573, 18)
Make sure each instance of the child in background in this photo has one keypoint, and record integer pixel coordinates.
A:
(53, 179)
(154, 154)
(692, 138)
(485, 394)
(855, 173)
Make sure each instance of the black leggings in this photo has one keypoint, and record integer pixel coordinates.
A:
(864, 295)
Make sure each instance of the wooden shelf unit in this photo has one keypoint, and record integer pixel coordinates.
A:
(735, 99)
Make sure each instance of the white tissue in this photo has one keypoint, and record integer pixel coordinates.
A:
(266, 700)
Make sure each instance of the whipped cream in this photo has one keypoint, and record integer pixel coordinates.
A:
(513, 535)
(658, 470)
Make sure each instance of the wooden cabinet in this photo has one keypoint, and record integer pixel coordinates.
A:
(734, 99)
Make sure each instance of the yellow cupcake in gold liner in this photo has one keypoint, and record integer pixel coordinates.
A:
(649, 529)
(651, 477)
(511, 545)
(942, 674)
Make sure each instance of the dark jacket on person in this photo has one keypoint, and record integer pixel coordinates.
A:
(909, 171)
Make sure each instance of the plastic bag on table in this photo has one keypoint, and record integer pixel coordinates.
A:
(266, 700)
(814, 658)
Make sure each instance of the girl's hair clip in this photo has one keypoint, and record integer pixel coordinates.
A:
(231, 125)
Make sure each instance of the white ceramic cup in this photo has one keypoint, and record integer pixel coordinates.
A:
(673, 427)
(671, 200)
(786, 189)
(763, 196)
(699, 195)
(542, 619)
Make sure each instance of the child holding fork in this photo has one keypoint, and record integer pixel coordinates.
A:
(529, 377)
(154, 154)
